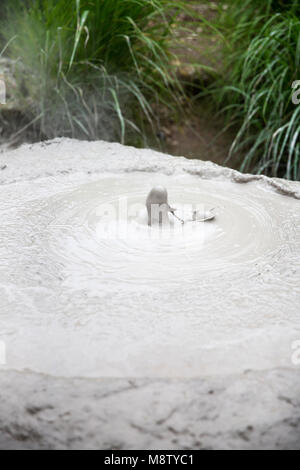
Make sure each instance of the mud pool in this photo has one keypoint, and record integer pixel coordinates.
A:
(88, 291)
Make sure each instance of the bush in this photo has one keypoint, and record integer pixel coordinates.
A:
(262, 60)
(91, 68)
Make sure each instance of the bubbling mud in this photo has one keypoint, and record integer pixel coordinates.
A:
(103, 230)
(89, 289)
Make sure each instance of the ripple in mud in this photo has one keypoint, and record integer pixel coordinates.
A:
(88, 289)
(98, 227)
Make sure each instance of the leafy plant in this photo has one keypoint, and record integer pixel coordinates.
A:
(92, 68)
(262, 60)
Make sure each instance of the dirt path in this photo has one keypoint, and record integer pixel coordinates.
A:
(201, 133)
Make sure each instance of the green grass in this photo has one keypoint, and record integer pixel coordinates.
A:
(261, 60)
(92, 68)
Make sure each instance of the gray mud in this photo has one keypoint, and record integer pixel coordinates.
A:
(194, 310)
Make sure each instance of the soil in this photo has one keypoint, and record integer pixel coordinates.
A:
(200, 135)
